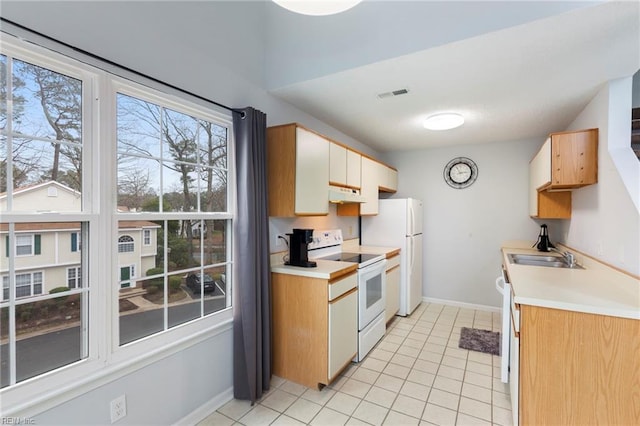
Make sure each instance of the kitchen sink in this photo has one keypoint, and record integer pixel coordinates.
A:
(540, 260)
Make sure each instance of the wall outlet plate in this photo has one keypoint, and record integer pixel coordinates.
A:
(118, 408)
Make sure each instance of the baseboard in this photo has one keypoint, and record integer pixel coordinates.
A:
(206, 409)
(462, 304)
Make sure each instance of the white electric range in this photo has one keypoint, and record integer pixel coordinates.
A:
(327, 245)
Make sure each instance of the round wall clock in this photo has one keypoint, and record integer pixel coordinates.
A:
(460, 172)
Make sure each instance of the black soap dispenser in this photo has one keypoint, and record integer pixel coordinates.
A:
(543, 243)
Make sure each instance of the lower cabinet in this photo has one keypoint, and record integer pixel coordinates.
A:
(392, 305)
(578, 368)
(314, 326)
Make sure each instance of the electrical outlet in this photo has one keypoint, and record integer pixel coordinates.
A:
(280, 241)
(118, 408)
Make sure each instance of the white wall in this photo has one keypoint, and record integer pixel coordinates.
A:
(161, 394)
(464, 228)
(283, 225)
(605, 220)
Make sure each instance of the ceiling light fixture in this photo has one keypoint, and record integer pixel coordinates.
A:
(443, 121)
(317, 7)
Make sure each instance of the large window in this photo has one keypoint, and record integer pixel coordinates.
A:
(172, 172)
(42, 151)
(69, 171)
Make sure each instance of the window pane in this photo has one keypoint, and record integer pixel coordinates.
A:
(48, 104)
(3, 170)
(138, 127)
(216, 299)
(3, 92)
(179, 187)
(141, 309)
(179, 137)
(213, 187)
(182, 307)
(212, 145)
(4, 347)
(36, 162)
(56, 343)
(138, 184)
(215, 242)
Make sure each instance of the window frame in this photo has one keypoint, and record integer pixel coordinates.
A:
(146, 237)
(126, 246)
(105, 360)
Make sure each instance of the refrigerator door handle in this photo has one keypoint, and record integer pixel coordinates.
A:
(411, 225)
(411, 254)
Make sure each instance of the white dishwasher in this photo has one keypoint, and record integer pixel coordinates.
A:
(510, 349)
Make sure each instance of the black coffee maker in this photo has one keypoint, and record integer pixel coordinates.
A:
(543, 243)
(298, 248)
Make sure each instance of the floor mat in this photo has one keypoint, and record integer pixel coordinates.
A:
(484, 341)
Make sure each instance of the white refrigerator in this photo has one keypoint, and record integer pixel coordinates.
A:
(399, 224)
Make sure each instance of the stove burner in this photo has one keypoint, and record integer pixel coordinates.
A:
(351, 257)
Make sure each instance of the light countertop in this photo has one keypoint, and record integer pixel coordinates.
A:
(326, 269)
(597, 289)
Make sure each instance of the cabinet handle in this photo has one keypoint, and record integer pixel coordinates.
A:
(582, 153)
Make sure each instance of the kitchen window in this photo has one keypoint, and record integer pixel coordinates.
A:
(62, 156)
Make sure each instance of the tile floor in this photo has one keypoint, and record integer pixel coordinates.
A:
(416, 375)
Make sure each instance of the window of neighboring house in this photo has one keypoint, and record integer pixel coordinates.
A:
(28, 245)
(125, 244)
(146, 237)
(29, 284)
(74, 277)
(76, 243)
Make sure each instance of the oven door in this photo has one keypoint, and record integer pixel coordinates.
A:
(371, 292)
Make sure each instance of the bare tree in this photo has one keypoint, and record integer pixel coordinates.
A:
(60, 98)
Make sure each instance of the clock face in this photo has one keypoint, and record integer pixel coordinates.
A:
(460, 172)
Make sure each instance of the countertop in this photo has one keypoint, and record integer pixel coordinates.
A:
(326, 269)
(330, 269)
(597, 289)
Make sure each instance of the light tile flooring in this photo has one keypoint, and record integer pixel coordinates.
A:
(415, 375)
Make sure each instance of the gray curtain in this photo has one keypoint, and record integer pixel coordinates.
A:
(252, 283)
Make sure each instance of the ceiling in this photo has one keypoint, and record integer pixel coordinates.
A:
(515, 69)
(514, 83)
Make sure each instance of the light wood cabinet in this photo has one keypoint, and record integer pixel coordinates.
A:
(578, 368)
(566, 161)
(392, 305)
(388, 179)
(298, 172)
(344, 166)
(315, 326)
(369, 188)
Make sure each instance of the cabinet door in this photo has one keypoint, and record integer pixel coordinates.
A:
(369, 186)
(389, 179)
(393, 292)
(338, 164)
(312, 174)
(353, 169)
(574, 159)
(343, 331)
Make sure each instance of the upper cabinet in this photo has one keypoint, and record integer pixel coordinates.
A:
(298, 172)
(566, 161)
(344, 166)
(302, 164)
(369, 188)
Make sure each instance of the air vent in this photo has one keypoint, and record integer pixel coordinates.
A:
(393, 93)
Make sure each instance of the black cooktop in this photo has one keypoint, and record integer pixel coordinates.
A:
(351, 257)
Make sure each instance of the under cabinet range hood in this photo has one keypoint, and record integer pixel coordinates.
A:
(341, 195)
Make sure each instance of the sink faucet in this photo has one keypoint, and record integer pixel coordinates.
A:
(569, 257)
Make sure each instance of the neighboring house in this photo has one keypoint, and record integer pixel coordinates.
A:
(48, 254)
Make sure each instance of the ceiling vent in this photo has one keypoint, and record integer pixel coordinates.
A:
(393, 93)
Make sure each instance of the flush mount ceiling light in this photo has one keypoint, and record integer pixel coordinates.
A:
(317, 7)
(444, 121)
